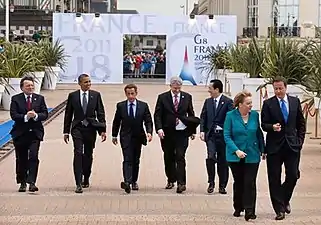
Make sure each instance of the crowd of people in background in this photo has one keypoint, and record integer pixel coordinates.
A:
(144, 65)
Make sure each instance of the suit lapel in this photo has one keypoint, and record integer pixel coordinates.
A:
(170, 100)
(278, 108)
(24, 101)
(90, 100)
(220, 105)
(290, 104)
(181, 99)
(33, 101)
(138, 108)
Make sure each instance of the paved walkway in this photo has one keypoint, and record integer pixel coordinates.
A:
(105, 203)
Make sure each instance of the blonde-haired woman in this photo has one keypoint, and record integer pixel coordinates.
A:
(244, 146)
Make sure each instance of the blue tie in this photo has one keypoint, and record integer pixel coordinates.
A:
(284, 111)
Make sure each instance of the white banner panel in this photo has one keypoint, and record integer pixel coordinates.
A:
(189, 41)
(95, 44)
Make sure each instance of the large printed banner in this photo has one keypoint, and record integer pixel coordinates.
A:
(190, 41)
(95, 44)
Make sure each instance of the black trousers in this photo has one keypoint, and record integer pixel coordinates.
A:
(244, 186)
(281, 193)
(27, 161)
(131, 160)
(216, 154)
(174, 146)
(84, 139)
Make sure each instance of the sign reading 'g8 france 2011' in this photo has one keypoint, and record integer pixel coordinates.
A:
(95, 44)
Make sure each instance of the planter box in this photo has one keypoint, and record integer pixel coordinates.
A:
(317, 103)
(235, 83)
(51, 78)
(1, 92)
(13, 90)
(292, 90)
(251, 84)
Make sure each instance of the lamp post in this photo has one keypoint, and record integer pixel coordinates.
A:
(9, 8)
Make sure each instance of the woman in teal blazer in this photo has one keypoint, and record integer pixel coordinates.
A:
(244, 146)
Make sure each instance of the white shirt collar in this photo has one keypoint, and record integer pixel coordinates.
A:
(285, 99)
(178, 95)
(82, 92)
(26, 96)
(218, 98)
(134, 102)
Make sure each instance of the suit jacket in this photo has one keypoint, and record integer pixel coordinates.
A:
(95, 113)
(18, 110)
(165, 114)
(208, 119)
(132, 127)
(245, 137)
(292, 132)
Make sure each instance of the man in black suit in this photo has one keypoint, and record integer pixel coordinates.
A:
(283, 120)
(27, 110)
(84, 116)
(175, 122)
(212, 121)
(130, 116)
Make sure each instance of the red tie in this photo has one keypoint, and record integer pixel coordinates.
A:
(28, 103)
(176, 107)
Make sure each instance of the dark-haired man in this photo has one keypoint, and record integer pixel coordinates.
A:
(84, 117)
(27, 110)
(129, 117)
(283, 120)
(212, 120)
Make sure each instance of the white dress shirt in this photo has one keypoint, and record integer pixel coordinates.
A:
(180, 125)
(82, 95)
(285, 101)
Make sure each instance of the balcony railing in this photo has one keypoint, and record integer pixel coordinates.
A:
(250, 32)
(285, 31)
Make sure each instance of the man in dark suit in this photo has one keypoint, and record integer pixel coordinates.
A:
(130, 116)
(283, 120)
(84, 117)
(212, 121)
(175, 122)
(27, 110)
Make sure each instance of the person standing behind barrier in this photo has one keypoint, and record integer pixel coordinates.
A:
(175, 122)
(28, 110)
(212, 120)
(84, 116)
(129, 117)
(282, 118)
(244, 147)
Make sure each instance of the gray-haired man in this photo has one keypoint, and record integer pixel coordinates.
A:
(175, 123)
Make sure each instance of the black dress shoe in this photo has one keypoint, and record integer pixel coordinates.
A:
(23, 187)
(169, 185)
(280, 216)
(33, 188)
(249, 216)
(222, 191)
(125, 186)
(210, 188)
(180, 188)
(288, 208)
(135, 187)
(78, 189)
(237, 213)
(85, 184)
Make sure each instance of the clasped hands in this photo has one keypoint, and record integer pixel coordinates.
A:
(31, 114)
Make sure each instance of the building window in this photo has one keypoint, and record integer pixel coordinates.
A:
(253, 19)
(150, 43)
(286, 17)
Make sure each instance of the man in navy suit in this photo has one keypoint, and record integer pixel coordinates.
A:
(28, 110)
(212, 120)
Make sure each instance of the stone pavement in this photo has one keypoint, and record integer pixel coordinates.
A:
(105, 203)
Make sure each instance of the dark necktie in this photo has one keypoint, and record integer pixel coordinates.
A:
(284, 111)
(28, 103)
(131, 110)
(176, 107)
(84, 108)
